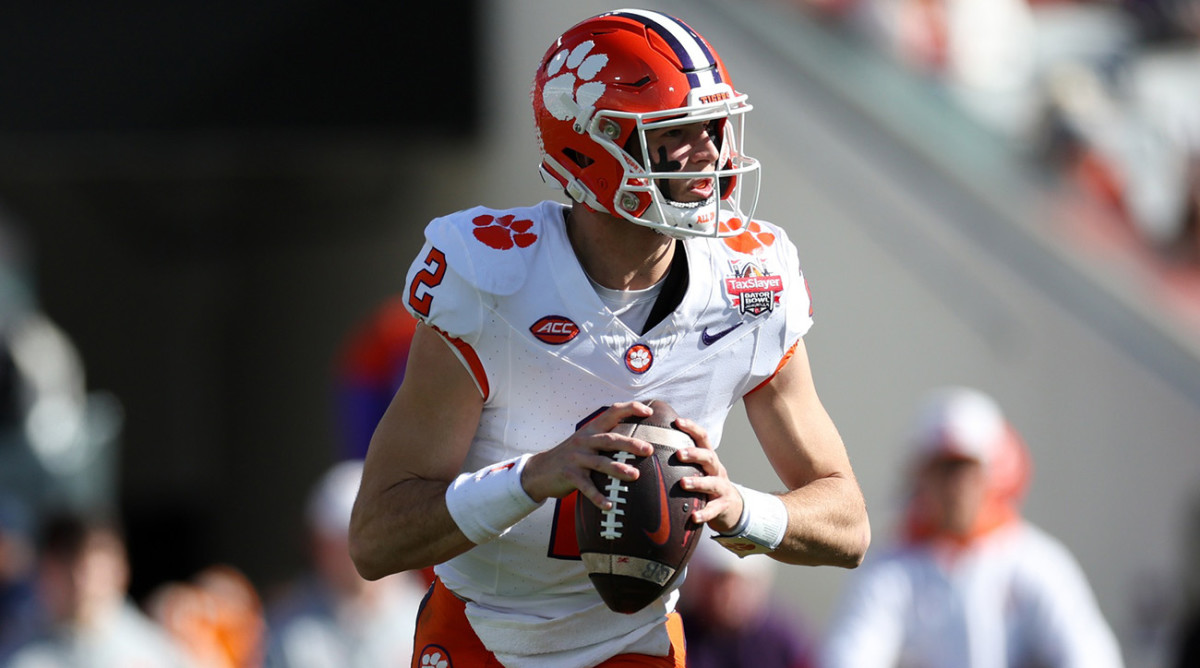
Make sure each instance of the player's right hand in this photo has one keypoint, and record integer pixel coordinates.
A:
(568, 466)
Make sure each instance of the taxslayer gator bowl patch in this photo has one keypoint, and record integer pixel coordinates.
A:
(753, 291)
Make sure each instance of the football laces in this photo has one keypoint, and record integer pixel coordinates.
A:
(611, 522)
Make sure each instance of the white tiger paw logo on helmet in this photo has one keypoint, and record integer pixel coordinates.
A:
(563, 99)
(433, 657)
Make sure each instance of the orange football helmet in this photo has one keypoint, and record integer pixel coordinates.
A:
(608, 80)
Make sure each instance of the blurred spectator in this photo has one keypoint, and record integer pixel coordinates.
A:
(85, 619)
(333, 617)
(1108, 91)
(973, 584)
(17, 595)
(993, 56)
(732, 617)
(217, 618)
(370, 367)
(1137, 127)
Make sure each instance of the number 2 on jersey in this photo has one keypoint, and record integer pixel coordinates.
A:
(563, 544)
(419, 297)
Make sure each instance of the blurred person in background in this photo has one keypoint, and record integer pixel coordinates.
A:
(1104, 92)
(216, 617)
(1135, 127)
(993, 57)
(971, 584)
(334, 617)
(17, 587)
(369, 367)
(732, 617)
(85, 618)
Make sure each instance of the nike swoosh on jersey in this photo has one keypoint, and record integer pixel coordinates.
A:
(710, 339)
(660, 535)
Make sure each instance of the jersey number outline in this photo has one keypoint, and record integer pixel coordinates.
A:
(563, 544)
(428, 278)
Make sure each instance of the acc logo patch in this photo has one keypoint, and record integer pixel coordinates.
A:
(639, 358)
(434, 656)
(554, 330)
(753, 291)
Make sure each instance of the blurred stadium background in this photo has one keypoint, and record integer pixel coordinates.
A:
(214, 197)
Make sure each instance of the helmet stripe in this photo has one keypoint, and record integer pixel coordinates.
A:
(698, 60)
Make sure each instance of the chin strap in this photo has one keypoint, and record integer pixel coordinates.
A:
(557, 177)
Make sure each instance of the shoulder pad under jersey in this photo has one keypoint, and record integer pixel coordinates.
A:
(490, 249)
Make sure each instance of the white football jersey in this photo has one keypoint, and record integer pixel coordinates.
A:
(507, 289)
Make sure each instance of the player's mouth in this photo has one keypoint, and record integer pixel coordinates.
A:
(700, 189)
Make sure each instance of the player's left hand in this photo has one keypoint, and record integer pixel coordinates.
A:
(724, 506)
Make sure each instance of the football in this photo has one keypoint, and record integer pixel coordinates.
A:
(635, 550)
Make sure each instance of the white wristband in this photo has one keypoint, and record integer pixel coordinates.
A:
(761, 527)
(486, 503)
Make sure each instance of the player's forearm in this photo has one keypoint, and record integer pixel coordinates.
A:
(405, 527)
(827, 524)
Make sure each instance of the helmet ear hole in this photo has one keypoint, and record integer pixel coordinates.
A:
(579, 159)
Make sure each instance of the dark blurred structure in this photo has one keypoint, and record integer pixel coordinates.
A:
(139, 66)
(1185, 645)
(199, 181)
(59, 442)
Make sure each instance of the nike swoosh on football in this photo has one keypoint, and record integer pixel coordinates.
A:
(660, 535)
(710, 339)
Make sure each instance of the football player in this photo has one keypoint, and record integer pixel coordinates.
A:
(543, 327)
